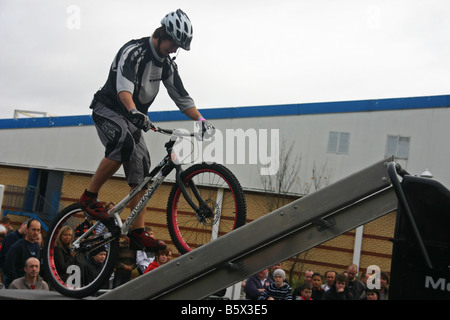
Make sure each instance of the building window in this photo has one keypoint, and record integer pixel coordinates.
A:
(338, 142)
(398, 147)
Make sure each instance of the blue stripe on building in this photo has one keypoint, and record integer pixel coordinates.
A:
(441, 101)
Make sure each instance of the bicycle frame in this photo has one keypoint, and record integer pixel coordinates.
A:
(159, 174)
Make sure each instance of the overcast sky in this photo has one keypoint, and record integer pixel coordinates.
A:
(56, 53)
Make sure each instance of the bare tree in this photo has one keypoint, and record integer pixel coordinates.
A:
(320, 177)
(281, 187)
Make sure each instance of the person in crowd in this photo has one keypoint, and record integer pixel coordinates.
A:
(162, 257)
(31, 280)
(330, 277)
(307, 278)
(371, 294)
(10, 239)
(126, 263)
(6, 222)
(145, 257)
(279, 289)
(316, 287)
(306, 290)
(2, 235)
(355, 287)
(93, 266)
(21, 250)
(339, 290)
(7, 242)
(272, 269)
(256, 284)
(384, 286)
(64, 257)
(363, 278)
(308, 275)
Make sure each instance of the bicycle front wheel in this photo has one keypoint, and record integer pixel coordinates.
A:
(223, 209)
(84, 270)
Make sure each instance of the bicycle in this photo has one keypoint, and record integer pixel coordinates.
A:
(205, 202)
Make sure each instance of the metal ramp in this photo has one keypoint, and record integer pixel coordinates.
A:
(303, 224)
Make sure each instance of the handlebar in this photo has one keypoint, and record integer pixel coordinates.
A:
(177, 132)
(161, 130)
(170, 131)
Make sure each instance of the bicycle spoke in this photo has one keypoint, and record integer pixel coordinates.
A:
(221, 214)
(70, 268)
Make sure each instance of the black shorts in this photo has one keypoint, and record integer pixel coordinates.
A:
(123, 142)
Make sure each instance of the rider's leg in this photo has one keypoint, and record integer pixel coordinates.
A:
(138, 226)
(112, 129)
(104, 171)
(88, 199)
(123, 144)
(139, 223)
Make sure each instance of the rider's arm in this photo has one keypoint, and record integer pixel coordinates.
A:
(193, 113)
(127, 100)
(138, 118)
(175, 88)
(126, 66)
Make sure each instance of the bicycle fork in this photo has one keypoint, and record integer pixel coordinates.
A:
(199, 210)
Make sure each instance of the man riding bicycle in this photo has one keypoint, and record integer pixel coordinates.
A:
(120, 112)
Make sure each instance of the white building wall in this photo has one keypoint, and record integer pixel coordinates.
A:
(77, 148)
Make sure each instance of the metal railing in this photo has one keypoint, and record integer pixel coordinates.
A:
(28, 201)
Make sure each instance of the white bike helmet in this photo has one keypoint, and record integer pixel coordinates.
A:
(179, 27)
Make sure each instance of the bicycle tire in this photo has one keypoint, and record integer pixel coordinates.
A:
(189, 230)
(73, 283)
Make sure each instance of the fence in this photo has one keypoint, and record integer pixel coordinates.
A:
(29, 202)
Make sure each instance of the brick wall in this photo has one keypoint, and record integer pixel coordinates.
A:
(15, 176)
(335, 254)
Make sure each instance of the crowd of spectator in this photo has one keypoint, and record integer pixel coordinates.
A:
(332, 285)
(21, 257)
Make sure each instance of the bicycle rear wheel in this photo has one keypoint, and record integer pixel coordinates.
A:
(85, 273)
(225, 208)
